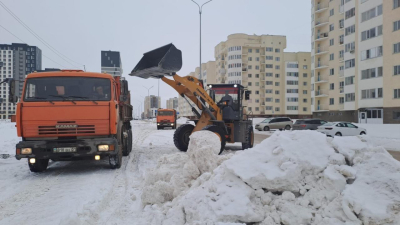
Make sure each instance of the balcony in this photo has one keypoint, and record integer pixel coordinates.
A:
(320, 23)
(244, 69)
(321, 108)
(320, 66)
(321, 94)
(321, 51)
(321, 79)
(341, 90)
(322, 36)
(321, 7)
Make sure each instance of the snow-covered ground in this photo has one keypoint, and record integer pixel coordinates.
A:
(297, 177)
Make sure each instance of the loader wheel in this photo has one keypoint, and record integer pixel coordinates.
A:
(39, 166)
(220, 133)
(249, 138)
(181, 136)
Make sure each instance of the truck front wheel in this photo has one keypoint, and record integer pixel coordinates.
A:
(39, 166)
(116, 160)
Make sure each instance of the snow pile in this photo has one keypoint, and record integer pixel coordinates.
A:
(182, 120)
(8, 138)
(293, 178)
(174, 173)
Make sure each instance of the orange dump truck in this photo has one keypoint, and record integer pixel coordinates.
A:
(72, 114)
(166, 118)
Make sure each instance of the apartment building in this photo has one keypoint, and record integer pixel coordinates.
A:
(111, 63)
(355, 60)
(172, 103)
(151, 104)
(280, 82)
(208, 76)
(18, 60)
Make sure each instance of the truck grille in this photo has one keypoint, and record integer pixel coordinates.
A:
(80, 129)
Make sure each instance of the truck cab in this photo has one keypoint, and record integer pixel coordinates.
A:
(166, 118)
(71, 114)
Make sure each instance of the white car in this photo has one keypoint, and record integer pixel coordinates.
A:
(341, 129)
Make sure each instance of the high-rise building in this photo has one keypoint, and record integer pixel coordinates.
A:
(355, 60)
(279, 81)
(18, 60)
(172, 103)
(111, 63)
(208, 76)
(151, 105)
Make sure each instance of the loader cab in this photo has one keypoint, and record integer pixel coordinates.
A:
(229, 98)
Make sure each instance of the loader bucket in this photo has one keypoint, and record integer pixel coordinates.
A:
(162, 61)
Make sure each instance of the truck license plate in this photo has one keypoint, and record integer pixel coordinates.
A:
(61, 150)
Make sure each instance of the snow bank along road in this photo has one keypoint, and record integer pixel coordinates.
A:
(88, 192)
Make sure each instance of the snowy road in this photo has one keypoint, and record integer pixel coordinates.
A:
(86, 192)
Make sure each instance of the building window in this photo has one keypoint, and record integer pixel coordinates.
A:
(250, 59)
(350, 63)
(257, 109)
(269, 57)
(332, 56)
(372, 93)
(277, 109)
(268, 74)
(304, 92)
(250, 50)
(350, 97)
(350, 30)
(396, 70)
(257, 75)
(249, 75)
(292, 74)
(277, 50)
(276, 83)
(341, 100)
(332, 86)
(269, 49)
(396, 93)
(277, 59)
(371, 73)
(292, 91)
(250, 67)
(292, 99)
(304, 109)
(349, 80)
(372, 53)
(396, 115)
(304, 67)
(257, 50)
(277, 67)
(268, 91)
(305, 100)
(277, 100)
(292, 82)
(331, 101)
(270, 66)
(257, 67)
(257, 59)
(268, 99)
(372, 13)
(331, 27)
(396, 48)
(305, 83)
(277, 92)
(371, 33)
(396, 25)
(268, 108)
(257, 84)
(257, 100)
(396, 4)
(350, 13)
(305, 75)
(250, 109)
(331, 12)
(268, 82)
(331, 42)
(332, 71)
(249, 83)
(350, 47)
(292, 108)
(277, 75)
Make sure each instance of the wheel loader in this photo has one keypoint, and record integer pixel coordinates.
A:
(221, 108)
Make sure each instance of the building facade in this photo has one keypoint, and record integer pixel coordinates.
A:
(111, 63)
(172, 103)
(18, 60)
(280, 82)
(356, 61)
(151, 105)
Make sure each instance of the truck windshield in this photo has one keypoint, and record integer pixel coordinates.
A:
(165, 113)
(67, 89)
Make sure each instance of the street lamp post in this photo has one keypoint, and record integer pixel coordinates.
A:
(200, 12)
(148, 94)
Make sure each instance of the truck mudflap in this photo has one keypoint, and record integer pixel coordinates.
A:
(84, 148)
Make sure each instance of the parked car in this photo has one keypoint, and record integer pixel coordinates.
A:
(275, 123)
(308, 124)
(341, 129)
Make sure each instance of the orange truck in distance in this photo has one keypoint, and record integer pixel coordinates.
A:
(166, 118)
(71, 114)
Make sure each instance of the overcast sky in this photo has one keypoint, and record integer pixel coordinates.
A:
(80, 29)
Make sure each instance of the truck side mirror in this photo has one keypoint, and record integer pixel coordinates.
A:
(12, 98)
(247, 95)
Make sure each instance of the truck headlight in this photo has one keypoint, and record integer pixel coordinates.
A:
(172, 124)
(26, 151)
(103, 148)
(158, 124)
